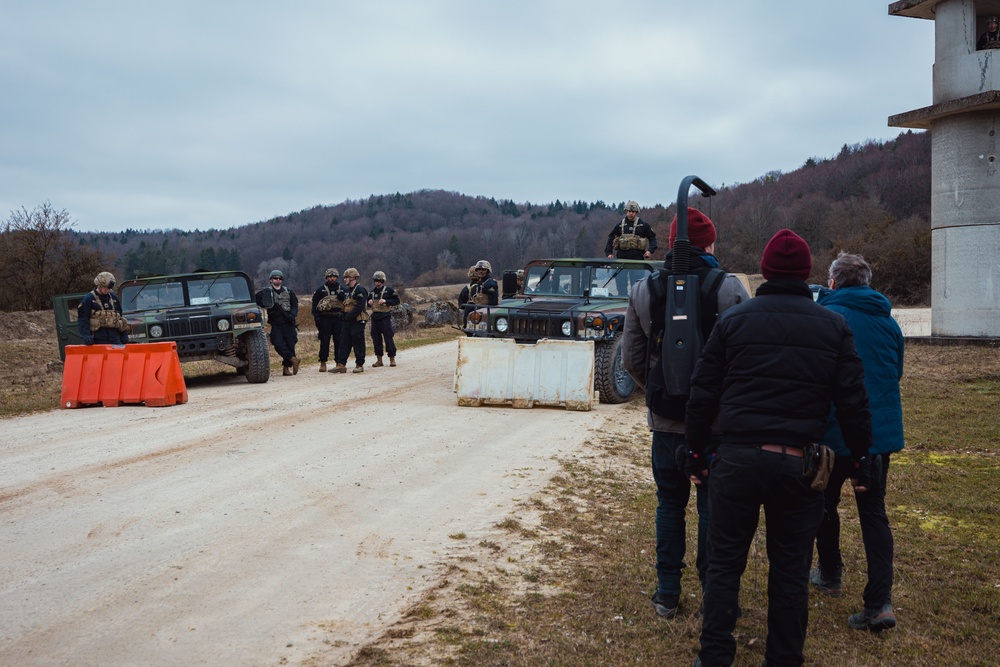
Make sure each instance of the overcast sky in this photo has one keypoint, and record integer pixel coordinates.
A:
(215, 114)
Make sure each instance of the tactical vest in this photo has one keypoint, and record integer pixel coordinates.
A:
(106, 316)
(329, 304)
(375, 295)
(630, 240)
(283, 299)
(351, 301)
(710, 279)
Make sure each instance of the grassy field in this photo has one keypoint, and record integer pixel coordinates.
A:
(566, 580)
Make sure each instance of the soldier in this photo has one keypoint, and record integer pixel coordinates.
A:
(354, 316)
(464, 302)
(281, 316)
(327, 305)
(380, 299)
(485, 292)
(99, 316)
(632, 238)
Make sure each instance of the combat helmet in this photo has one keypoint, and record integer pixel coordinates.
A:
(379, 275)
(331, 273)
(631, 206)
(483, 264)
(276, 274)
(352, 273)
(104, 279)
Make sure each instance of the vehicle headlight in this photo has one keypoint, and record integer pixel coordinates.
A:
(567, 328)
(223, 325)
(156, 331)
(502, 324)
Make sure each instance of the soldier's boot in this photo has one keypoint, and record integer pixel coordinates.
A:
(341, 368)
(392, 361)
(358, 369)
(378, 363)
(286, 370)
(295, 365)
(322, 367)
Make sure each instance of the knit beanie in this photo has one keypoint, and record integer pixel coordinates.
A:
(786, 255)
(701, 231)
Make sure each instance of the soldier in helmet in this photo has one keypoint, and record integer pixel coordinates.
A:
(354, 316)
(380, 300)
(464, 302)
(632, 238)
(485, 292)
(281, 316)
(327, 306)
(99, 316)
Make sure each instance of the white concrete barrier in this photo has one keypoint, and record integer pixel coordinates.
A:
(501, 372)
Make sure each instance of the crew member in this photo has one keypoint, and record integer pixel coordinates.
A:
(99, 316)
(632, 238)
(281, 316)
(354, 316)
(327, 305)
(380, 300)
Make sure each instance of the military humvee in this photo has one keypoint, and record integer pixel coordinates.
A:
(211, 315)
(570, 299)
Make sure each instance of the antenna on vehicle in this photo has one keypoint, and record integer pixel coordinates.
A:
(681, 336)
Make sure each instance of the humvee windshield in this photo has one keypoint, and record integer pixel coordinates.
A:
(608, 282)
(156, 296)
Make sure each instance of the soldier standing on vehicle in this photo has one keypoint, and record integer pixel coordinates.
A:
(485, 292)
(355, 315)
(642, 358)
(99, 316)
(632, 238)
(281, 316)
(380, 300)
(327, 305)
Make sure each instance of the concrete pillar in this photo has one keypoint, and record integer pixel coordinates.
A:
(965, 183)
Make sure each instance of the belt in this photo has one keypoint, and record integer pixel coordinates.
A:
(782, 449)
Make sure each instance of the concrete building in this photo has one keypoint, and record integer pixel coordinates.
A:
(965, 184)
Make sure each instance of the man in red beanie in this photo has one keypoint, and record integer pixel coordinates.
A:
(768, 373)
(632, 238)
(641, 346)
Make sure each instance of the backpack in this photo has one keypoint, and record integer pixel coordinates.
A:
(658, 398)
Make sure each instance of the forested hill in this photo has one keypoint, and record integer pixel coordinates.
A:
(872, 198)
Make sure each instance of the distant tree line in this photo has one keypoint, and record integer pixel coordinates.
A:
(871, 198)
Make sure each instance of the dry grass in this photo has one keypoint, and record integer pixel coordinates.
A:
(567, 579)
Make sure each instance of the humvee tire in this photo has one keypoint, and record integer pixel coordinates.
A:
(610, 377)
(258, 368)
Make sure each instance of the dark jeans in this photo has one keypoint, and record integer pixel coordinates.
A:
(284, 337)
(744, 478)
(875, 531)
(352, 337)
(382, 331)
(329, 327)
(673, 489)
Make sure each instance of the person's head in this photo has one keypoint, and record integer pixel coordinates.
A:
(351, 277)
(473, 274)
(331, 275)
(786, 255)
(104, 282)
(701, 231)
(849, 271)
(631, 210)
(379, 277)
(992, 23)
(277, 279)
(520, 276)
(483, 268)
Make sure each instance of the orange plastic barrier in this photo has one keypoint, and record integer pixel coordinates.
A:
(110, 375)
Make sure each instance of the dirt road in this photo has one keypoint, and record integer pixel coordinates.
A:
(283, 523)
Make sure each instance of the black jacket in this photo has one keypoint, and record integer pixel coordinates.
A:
(770, 370)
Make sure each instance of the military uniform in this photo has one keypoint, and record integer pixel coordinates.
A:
(282, 316)
(353, 334)
(327, 307)
(630, 240)
(382, 322)
(99, 319)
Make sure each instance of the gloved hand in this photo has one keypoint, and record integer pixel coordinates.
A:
(319, 336)
(861, 474)
(88, 340)
(695, 463)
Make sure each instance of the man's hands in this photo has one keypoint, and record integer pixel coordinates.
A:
(88, 340)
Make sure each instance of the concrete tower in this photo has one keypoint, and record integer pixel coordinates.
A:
(965, 184)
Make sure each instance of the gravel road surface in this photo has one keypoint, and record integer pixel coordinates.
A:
(283, 523)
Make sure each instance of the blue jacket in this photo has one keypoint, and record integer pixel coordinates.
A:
(879, 342)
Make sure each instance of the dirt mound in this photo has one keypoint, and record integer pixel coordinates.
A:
(423, 295)
(27, 325)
